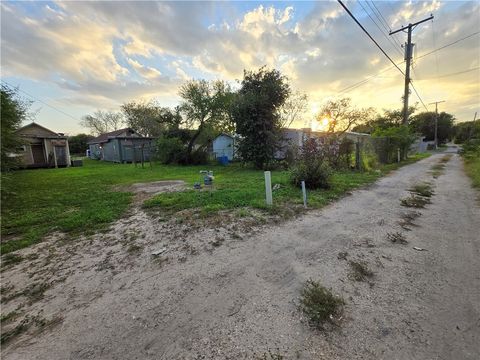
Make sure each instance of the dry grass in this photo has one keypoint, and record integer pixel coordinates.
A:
(415, 201)
(422, 189)
(359, 270)
(319, 304)
(397, 238)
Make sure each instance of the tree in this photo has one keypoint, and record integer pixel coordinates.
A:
(389, 118)
(424, 124)
(13, 112)
(256, 114)
(205, 104)
(149, 119)
(103, 121)
(342, 115)
(467, 130)
(78, 143)
(293, 108)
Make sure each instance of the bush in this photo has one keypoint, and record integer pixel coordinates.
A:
(394, 138)
(316, 174)
(170, 150)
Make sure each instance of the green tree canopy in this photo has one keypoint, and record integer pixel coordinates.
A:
(78, 143)
(149, 119)
(424, 124)
(14, 111)
(205, 104)
(256, 114)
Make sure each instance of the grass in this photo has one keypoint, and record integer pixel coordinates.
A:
(83, 200)
(319, 304)
(415, 201)
(359, 270)
(472, 168)
(422, 189)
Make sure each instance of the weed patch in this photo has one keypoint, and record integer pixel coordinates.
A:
(415, 201)
(359, 270)
(397, 238)
(319, 304)
(445, 159)
(269, 355)
(408, 218)
(11, 259)
(422, 189)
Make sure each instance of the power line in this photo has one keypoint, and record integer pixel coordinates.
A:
(452, 74)
(381, 31)
(418, 95)
(447, 45)
(41, 101)
(370, 36)
(387, 28)
(361, 82)
(354, 86)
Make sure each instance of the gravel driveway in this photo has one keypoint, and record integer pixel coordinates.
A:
(239, 299)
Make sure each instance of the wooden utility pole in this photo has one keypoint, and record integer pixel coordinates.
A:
(436, 121)
(408, 58)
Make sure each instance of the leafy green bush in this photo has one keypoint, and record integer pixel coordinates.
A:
(312, 166)
(170, 150)
(395, 137)
(316, 174)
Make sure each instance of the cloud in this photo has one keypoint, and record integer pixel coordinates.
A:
(109, 52)
(145, 71)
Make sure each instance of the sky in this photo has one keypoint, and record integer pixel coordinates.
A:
(73, 58)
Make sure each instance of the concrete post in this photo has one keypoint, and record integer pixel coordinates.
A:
(268, 188)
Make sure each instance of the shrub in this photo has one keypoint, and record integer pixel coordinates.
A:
(170, 150)
(312, 166)
(394, 138)
(316, 174)
(319, 304)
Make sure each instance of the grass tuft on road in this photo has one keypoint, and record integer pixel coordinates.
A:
(83, 200)
(319, 304)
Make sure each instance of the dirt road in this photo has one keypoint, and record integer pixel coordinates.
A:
(236, 297)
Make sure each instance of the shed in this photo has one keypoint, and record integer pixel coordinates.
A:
(121, 146)
(42, 147)
(224, 145)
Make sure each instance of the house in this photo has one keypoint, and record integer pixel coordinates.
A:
(121, 146)
(224, 145)
(42, 147)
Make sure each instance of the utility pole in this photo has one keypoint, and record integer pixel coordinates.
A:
(408, 58)
(436, 121)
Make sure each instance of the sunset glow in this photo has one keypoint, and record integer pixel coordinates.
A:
(81, 56)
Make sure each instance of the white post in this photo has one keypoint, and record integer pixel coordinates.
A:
(304, 192)
(268, 188)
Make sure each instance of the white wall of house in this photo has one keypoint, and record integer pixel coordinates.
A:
(223, 145)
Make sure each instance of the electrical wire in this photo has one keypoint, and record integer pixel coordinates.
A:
(451, 74)
(389, 39)
(370, 36)
(418, 95)
(447, 45)
(12, 87)
(383, 21)
(355, 85)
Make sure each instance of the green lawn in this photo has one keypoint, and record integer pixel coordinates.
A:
(83, 199)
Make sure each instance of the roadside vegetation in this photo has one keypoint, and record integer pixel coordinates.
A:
(85, 199)
(471, 155)
(320, 305)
